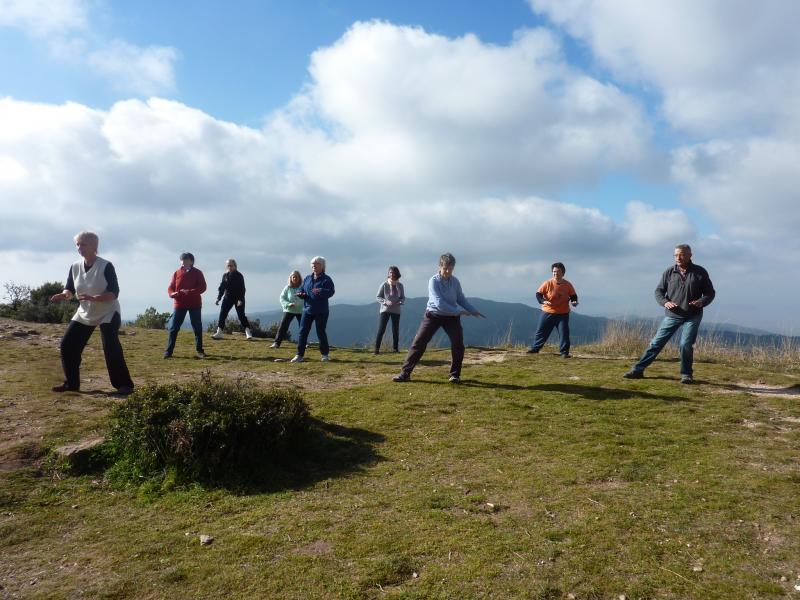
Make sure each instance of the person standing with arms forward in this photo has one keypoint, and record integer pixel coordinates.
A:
(292, 306)
(684, 289)
(185, 287)
(443, 310)
(391, 296)
(93, 281)
(231, 292)
(555, 295)
(315, 291)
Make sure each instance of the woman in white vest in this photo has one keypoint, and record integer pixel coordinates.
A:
(93, 281)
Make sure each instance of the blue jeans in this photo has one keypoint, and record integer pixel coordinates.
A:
(548, 321)
(321, 322)
(175, 326)
(666, 330)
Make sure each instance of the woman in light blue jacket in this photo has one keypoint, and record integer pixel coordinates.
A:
(292, 306)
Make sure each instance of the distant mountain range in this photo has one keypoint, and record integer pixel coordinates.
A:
(505, 323)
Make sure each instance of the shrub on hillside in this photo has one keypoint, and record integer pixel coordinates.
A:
(152, 319)
(26, 304)
(208, 429)
(233, 325)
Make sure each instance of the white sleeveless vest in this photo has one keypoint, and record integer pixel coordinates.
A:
(93, 283)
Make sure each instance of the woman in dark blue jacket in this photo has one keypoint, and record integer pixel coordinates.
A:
(231, 292)
(315, 291)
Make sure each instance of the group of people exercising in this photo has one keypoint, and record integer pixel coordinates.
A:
(684, 289)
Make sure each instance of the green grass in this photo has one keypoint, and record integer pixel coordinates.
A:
(536, 478)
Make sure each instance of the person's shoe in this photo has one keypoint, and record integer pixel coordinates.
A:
(687, 379)
(275, 345)
(125, 390)
(200, 354)
(325, 358)
(532, 351)
(567, 355)
(395, 350)
(634, 374)
(167, 355)
(298, 358)
(376, 352)
(401, 378)
(248, 334)
(217, 335)
(454, 379)
(60, 389)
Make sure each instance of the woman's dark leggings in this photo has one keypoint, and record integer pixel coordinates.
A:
(383, 319)
(225, 308)
(285, 322)
(74, 341)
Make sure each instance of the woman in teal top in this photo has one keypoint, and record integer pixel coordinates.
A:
(292, 306)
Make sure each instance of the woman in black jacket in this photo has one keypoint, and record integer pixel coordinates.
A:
(231, 293)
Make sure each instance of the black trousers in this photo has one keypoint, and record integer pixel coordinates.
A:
(284, 327)
(74, 341)
(225, 308)
(427, 328)
(383, 319)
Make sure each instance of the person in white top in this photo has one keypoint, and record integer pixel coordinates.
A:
(93, 281)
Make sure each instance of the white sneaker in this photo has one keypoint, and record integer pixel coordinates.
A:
(248, 334)
(325, 358)
(298, 359)
(218, 334)
(275, 345)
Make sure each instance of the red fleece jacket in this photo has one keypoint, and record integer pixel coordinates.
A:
(186, 287)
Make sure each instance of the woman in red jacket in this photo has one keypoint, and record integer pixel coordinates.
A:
(185, 288)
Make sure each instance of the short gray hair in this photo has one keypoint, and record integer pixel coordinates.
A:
(320, 260)
(232, 262)
(447, 260)
(89, 236)
(684, 247)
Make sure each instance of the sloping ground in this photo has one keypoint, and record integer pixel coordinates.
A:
(536, 478)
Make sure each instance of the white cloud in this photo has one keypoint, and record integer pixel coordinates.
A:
(44, 18)
(405, 109)
(722, 65)
(130, 68)
(649, 227)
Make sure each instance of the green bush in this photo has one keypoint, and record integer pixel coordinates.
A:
(33, 305)
(208, 429)
(152, 319)
(233, 325)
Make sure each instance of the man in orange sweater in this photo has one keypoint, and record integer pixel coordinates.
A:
(555, 295)
(185, 288)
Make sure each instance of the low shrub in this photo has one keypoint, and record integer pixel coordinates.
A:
(207, 429)
(234, 326)
(152, 319)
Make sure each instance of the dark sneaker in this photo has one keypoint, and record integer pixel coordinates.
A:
(167, 355)
(60, 389)
(687, 379)
(401, 378)
(634, 374)
(532, 351)
(454, 379)
(124, 390)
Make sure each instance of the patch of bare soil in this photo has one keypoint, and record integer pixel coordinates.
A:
(482, 356)
(763, 389)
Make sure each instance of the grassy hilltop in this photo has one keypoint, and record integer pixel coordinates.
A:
(536, 478)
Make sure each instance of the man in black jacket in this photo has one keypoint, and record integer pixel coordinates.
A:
(683, 291)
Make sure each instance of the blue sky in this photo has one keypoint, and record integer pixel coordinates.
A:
(513, 134)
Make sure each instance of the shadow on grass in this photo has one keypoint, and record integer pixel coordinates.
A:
(585, 391)
(326, 451)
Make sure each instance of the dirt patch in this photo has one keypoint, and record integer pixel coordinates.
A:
(20, 456)
(484, 356)
(763, 389)
(317, 548)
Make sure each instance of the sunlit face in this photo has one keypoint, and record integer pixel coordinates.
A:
(317, 268)
(86, 248)
(295, 278)
(187, 263)
(391, 275)
(558, 274)
(229, 266)
(682, 257)
(446, 271)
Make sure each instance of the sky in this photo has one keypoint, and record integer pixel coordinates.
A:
(598, 133)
